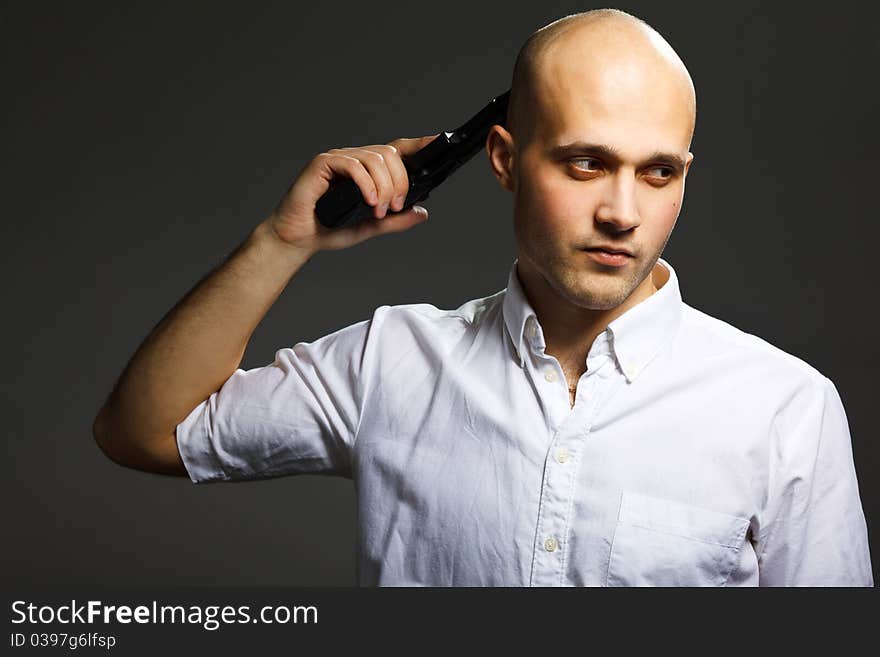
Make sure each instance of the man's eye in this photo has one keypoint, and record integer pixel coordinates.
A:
(667, 170)
(584, 159)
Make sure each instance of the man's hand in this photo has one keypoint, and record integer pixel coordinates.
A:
(380, 175)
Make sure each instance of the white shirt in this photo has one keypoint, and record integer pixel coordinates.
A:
(695, 454)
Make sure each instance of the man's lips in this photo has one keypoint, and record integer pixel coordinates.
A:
(610, 249)
(607, 258)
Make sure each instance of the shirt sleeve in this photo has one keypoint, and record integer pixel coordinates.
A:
(814, 531)
(298, 415)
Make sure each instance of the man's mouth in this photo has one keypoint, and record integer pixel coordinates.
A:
(610, 249)
(611, 258)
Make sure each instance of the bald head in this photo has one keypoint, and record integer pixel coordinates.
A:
(605, 56)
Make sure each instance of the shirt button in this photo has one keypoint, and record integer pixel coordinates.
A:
(550, 544)
(562, 455)
(550, 375)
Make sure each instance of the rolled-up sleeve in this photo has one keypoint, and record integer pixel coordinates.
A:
(813, 531)
(298, 415)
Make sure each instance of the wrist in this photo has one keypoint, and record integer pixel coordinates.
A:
(268, 239)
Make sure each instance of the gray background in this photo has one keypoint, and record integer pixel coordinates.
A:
(143, 143)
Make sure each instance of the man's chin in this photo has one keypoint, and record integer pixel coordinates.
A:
(589, 291)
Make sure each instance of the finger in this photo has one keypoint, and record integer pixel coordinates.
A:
(408, 146)
(394, 222)
(334, 162)
(364, 230)
(399, 175)
(378, 168)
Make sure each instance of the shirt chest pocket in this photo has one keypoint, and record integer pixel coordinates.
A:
(660, 542)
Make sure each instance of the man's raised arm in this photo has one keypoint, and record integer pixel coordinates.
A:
(199, 344)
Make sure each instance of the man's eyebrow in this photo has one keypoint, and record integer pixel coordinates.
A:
(612, 154)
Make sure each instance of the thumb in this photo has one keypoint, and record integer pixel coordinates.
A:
(398, 221)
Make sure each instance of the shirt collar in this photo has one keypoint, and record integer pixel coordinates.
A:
(635, 337)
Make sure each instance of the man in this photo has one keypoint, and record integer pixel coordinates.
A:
(583, 426)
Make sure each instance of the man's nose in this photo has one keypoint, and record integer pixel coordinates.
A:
(619, 207)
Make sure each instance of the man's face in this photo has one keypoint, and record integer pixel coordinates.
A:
(569, 199)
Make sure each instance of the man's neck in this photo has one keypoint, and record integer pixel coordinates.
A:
(569, 330)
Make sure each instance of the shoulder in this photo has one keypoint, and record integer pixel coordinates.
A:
(428, 317)
(399, 327)
(406, 328)
(712, 339)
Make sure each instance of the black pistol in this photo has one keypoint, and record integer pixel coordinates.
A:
(343, 202)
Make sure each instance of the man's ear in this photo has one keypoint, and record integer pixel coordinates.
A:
(687, 162)
(499, 148)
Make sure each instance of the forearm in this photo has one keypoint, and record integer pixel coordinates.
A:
(198, 345)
